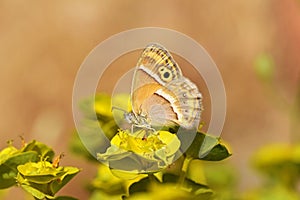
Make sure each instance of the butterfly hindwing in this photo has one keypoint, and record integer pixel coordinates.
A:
(188, 101)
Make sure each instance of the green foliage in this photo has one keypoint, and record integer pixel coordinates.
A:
(207, 147)
(78, 148)
(264, 67)
(151, 188)
(42, 180)
(279, 164)
(11, 158)
(164, 184)
(153, 166)
(222, 178)
(32, 168)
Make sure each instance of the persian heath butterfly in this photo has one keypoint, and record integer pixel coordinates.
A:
(160, 94)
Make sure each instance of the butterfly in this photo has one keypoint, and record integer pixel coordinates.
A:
(160, 95)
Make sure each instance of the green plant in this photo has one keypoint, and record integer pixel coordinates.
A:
(34, 169)
(278, 163)
(156, 166)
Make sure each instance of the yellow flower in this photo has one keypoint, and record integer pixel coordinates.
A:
(141, 151)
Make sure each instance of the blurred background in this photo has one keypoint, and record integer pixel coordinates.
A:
(42, 45)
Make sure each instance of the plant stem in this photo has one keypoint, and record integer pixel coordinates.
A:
(152, 178)
(184, 168)
(295, 117)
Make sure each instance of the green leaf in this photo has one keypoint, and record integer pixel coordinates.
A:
(194, 149)
(195, 172)
(11, 158)
(45, 152)
(219, 152)
(195, 190)
(8, 168)
(108, 181)
(206, 147)
(152, 189)
(204, 193)
(41, 173)
(142, 186)
(69, 173)
(42, 179)
(162, 191)
(280, 162)
(35, 192)
(6, 153)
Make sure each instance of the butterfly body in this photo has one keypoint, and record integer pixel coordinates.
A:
(160, 94)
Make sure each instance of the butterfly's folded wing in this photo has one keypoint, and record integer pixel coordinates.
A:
(179, 102)
(188, 102)
(161, 93)
(148, 73)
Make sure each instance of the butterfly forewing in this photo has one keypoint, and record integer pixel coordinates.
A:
(158, 65)
(155, 67)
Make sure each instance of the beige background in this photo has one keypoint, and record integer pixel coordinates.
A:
(42, 45)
